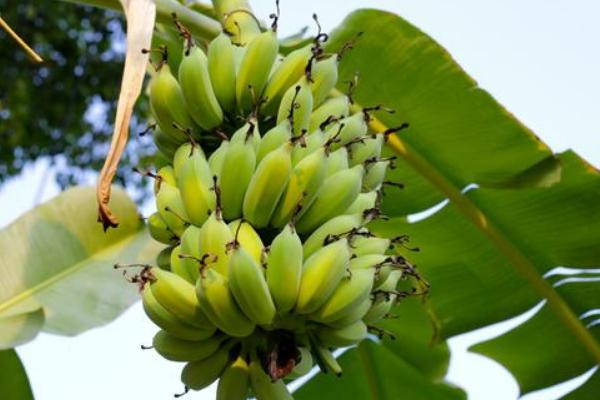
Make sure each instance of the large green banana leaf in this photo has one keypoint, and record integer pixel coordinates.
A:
(56, 267)
(14, 384)
(515, 212)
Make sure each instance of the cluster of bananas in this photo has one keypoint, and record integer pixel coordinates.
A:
(227, 305)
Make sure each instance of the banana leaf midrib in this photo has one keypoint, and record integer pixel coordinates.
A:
(24, 295)
(486, 225)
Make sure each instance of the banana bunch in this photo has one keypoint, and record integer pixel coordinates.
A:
(269, 262)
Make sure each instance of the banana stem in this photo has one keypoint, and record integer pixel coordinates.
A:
(200, 25)
(30, 52)
(237, 19)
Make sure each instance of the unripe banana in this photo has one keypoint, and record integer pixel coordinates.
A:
(213, 239)
(374, 175)
(364, 201)
(234, 382)
(159, 229)
(222, 70)
(194, 180)
(267, 185)
(273, 139)
(390, 282)
(166, 176)
(165, 144)
(248, 132)
(199, 374)
(304, 184)
(342, 337)
(217, 302)
(361, 151)
(255, 68)
(197, 90)
(249, 287)
(326, 360)
(167, 321)
(312, 143)
(321, 274)
(342, 189)
(351, 292)
(338, 161)
(170, 207)
(304, 366)
(175, 349)
(240, 160)
(296, 105)
(178, 297)
(163, 259)
(215, 161)
(339, 225)
(368, 261)
(347, 129)
(324, 77)
(284, 76)
(249, 239)
(357, 313)
(336, 107)
(284, 269)
(369, 245)
(186, 267)
(184, 152)
(168, 105)
(383, 304)
(263, 387)
(176, 266)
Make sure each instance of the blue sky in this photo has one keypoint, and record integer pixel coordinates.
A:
(539, 58)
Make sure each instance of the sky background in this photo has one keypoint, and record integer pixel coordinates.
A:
(539, 58)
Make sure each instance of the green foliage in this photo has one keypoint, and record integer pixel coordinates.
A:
(13, 379)
(64, 107)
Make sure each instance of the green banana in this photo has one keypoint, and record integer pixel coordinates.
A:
(163, 259)
(249, 239)
(364, 148)
(213, 239)
(263, 387)
(342, 189)
(283, 77)
(312, 143)
(357, 313)
(374, 175)
(342, 337)
(321, 274)
(234, 180)
(338, 161)
(255, 68)
(194, 180)
(215, 161)
(178, 297)
(304, 366)
(284, 269)
(336, 226)
(336, 107)
(167, 321)
(199, 374)
(296, 106)
(302, 187)
(170, 207)
(235, 381)
(168, 105)
(326, 360)
(197, 89)
(369, 245)
(351, 292)
(166, 176)
(222, 70)
(347, 129)
(159, 230)
(165, 144)
(175, 349)
(324, 76)
(273, 139)
(249, 287)
(217, 302)
(187, 267)
(364, 202)
(383, 304)
(267, 185)
(367, 261)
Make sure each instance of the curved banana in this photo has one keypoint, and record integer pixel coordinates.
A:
(364, 149)
(249, 239)
(362, 246)
(383, 303)
(186, 267)
(351, 292)
(199, 374)
(302, 187)
(374, 175)
(335, 107)
(324, 76)
(159, 230)
(338, 161)
(165, 144)
(167, 321)
(249, 287)
(176, 349)
(367, 261)
(321, 274)
(284, 269)
(164, 176)
(216, 300)
(273, 139)
(342, 189)
(170, 207)
(163, 259)
(222, 70)
(326, 360)
(312, 143)
(336, 226)
(168, 105)
(364, 201)
(234, 381)
(296, 106)
(342, 337)
(348, 129)
(357, 313)
(255, 68)
(197, 89)
(215, 160)
(213, 239)
(263, 387)
(267, 185)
